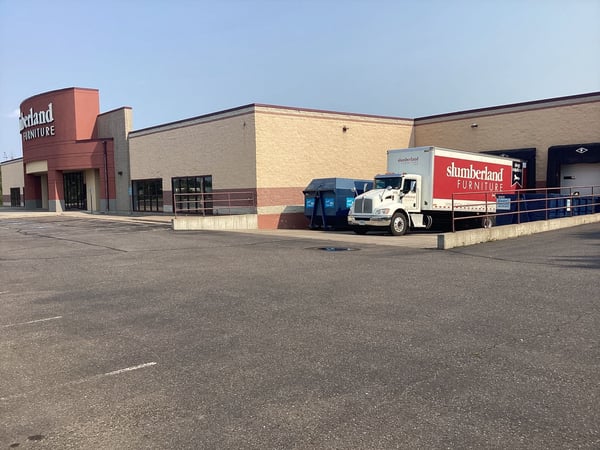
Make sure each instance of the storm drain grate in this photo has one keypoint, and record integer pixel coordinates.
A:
(337, 249)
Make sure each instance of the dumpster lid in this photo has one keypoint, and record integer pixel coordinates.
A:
(331, 184)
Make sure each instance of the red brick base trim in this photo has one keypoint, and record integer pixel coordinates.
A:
(284, 221)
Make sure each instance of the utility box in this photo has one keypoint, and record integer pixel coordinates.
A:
(327, 201)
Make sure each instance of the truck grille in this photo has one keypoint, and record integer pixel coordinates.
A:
(363, 205)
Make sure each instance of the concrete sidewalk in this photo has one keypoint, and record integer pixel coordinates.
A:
(428, 240)
(6, 212)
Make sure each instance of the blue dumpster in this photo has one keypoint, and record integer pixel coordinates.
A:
(327, 201)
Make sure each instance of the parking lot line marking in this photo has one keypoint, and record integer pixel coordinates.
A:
(81, 381)
(31, 321)
(129, 369)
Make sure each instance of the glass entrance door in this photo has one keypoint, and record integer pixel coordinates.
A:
(75, 195)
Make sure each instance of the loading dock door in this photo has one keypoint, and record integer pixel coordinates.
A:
(576, 175)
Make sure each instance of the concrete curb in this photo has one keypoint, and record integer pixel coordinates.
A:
(223, 223)
(470, 237)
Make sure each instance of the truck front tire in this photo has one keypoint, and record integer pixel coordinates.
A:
(399, 225)
(488, 222)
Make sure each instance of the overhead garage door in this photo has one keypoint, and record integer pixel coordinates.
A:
(580, 163)
(575, 176)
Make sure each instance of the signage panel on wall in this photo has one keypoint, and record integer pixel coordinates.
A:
(36, 124)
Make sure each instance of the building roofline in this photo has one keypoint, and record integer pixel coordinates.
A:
(8, 161)
(184, 122)
(73, 88)
(326, 111)
(571, 99)
(521, 105)
(252, 107)
(113, 110)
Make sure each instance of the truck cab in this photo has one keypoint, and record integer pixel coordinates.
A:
(393, 203)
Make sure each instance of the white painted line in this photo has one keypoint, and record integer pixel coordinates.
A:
(128, 369)
(82, 380)
(31, 321)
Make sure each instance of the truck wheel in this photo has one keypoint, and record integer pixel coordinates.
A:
(487, 222)
(428, 220)
(399, 225)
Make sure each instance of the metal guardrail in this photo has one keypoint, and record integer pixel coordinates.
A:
(557, 202)
(214, 203)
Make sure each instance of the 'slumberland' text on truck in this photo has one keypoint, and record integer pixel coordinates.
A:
(426, 185)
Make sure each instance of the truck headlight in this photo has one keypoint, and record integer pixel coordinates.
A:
(382, 211)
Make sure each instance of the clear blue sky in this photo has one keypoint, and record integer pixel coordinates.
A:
(175, 59)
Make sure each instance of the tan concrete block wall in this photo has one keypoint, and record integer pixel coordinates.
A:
(116, 125)
(538, 127)
(219, 146)
(12, 177)
(295, 146)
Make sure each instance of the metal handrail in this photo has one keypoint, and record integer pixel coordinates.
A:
(490, 199)
(214, 203)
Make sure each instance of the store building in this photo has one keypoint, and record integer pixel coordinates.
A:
(13, 183)
(258, 158)
(548, 134)
(268, 152)
(74, 157)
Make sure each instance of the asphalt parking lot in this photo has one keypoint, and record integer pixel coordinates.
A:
(123, 334)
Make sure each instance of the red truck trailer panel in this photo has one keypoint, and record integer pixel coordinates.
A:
(470, 179)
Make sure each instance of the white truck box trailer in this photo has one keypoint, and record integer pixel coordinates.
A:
(424, 185)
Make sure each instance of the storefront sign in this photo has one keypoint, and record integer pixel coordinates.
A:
(29, 124)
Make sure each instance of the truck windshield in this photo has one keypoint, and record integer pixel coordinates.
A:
(383, 183)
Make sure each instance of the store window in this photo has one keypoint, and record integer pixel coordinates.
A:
(192, 195)
(147, 195)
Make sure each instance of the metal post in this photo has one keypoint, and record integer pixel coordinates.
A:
(106, 176)
(571, 200)
(452, 214)
(546, 200)
(486, 206)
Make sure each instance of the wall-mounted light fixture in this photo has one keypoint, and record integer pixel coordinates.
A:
(345, 128)
(120, 172)
(474, 125)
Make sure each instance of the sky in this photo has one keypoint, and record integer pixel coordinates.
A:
(175, 59)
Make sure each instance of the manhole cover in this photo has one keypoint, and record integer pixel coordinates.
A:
(337, 249)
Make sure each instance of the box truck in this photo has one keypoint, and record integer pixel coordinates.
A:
(428, 185)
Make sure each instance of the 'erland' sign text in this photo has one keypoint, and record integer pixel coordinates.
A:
(29, 124)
